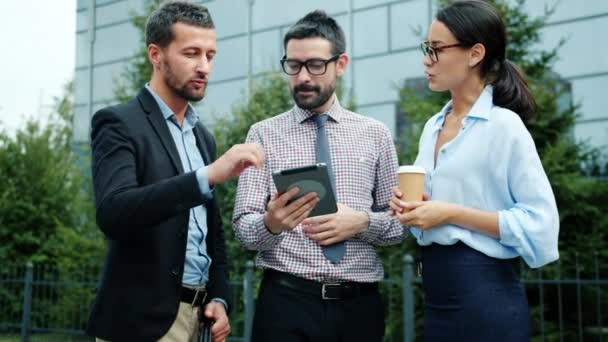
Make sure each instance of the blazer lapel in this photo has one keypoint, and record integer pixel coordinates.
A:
(157, 120)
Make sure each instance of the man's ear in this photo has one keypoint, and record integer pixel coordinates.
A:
(155, 55)
(476, 54)
(341, 64)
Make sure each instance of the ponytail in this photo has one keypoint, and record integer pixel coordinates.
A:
(511, 91)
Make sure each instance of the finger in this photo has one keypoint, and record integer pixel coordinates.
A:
(286, 196)
(304, 215)
(275, 196)
(259, 151)
(302, 201)
(397, 192)
(318, 228)
(220, 329)
(317, 220)
(254, 148)
(249, 158)
(412, 204)
(209, 313)
(272, 202)
(323, 236)
(258, 158)
(408, 217)
(296, 214)
(398, 202)
(395, 207)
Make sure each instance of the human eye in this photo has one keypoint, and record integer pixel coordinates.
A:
(315, 64)
(292, 64)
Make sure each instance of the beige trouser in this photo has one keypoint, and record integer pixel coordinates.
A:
(185, 327)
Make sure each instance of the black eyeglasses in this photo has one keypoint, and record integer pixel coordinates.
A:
(432, 51)
(314, 66)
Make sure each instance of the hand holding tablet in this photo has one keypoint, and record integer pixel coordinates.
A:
(312, 178)
(302, 192)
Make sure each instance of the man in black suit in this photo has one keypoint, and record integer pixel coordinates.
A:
(154, 170)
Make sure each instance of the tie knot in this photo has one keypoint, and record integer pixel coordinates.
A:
(320, 119)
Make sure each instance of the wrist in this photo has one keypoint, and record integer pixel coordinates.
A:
(267, 226)
(364, 221)
(452, 213)
(212, 175)
(222, 302)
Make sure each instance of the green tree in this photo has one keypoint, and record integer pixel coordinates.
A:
(46, 217)
(44, 197)
(582, 201)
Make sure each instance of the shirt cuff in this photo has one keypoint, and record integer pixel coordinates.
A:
(266, 237)
(203, 182)
(220, 300)
(505, 234)
(374, 230)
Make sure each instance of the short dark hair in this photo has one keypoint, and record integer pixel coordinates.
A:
(318, 24)
(160, 22)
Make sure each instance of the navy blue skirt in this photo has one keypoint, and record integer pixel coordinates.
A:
(469, 296)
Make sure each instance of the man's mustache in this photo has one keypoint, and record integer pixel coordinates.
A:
(306, 87)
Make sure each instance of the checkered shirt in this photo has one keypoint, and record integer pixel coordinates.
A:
(365, 165)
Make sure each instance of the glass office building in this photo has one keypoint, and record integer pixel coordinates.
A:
(382, 40)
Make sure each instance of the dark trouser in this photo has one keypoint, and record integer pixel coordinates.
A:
(290, 309)
(469, 296)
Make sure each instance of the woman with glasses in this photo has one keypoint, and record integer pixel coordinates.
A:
(489, 199)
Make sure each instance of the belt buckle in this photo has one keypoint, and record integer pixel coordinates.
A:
(202, 292)
(324, 291)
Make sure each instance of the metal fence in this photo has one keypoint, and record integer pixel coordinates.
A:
(568, 303)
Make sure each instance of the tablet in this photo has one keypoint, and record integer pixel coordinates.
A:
(311, 178)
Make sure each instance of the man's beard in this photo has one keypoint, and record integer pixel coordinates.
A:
(314, 101)
(182, 91)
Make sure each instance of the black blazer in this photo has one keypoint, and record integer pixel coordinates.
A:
(143, 198)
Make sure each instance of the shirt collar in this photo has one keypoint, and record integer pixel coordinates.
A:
(335, 112)
(191, 115)
(480, 110)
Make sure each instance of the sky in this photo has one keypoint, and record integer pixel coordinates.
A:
(37, 57)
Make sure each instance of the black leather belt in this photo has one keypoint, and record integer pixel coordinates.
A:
(327, 291)
(190, 296)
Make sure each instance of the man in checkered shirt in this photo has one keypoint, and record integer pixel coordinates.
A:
(304, 296)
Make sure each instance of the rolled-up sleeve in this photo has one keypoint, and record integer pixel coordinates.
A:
(531, 225)
(250, 205)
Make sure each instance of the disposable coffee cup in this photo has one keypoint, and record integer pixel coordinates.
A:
(411, 182)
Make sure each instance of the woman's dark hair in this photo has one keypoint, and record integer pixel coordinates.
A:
(476, 21)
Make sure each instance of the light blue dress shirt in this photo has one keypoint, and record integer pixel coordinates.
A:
(492, 164)
(196, 266)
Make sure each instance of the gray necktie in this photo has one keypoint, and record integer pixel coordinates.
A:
(336, 251)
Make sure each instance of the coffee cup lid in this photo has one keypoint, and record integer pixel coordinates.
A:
(411, 169)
